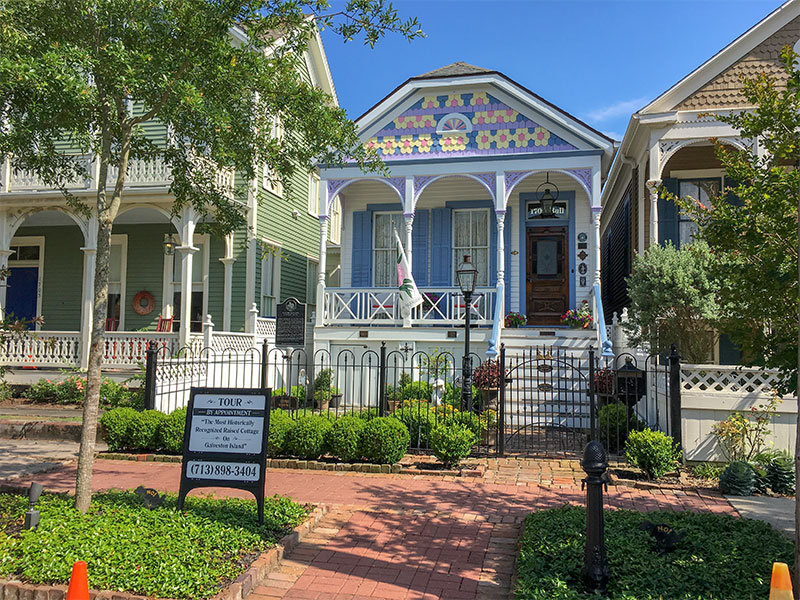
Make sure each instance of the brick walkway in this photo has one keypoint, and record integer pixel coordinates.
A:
(406, 537)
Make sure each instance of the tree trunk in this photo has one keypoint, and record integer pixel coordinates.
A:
(106, 213)
(797, 433)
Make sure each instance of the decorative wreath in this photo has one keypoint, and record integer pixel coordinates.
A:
(144, 303)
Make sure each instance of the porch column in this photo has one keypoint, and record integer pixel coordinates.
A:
(5, 252)
(500, 217)
(87, 303)
(187, 253)
(652, 187)
(407, 242)
(227, 262)
(596, 210)
(321, 267)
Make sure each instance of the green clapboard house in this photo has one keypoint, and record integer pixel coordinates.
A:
(235, 281)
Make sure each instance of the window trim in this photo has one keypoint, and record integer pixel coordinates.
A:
(375, 215)
(335, 222)
(311, 281)
(35, 240)
(313, 199)
(121, 239)
(454, 280)
(276, 276)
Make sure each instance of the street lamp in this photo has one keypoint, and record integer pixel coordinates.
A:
(467, 276)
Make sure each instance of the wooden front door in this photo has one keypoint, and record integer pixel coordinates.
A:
(547, 275)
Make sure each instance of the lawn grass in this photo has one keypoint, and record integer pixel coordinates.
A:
(166, 553)
(721, 557)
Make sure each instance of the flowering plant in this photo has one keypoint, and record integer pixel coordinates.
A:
(578, 318)
(515, 319)
(487, 375)
(604, 381)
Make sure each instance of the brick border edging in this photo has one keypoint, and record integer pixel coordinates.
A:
(239, 589)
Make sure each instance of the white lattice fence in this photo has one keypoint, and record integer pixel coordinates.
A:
(237, 342)
(265, 327)
(729, 379)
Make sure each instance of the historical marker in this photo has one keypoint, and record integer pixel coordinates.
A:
(290, 323)
(225, 441)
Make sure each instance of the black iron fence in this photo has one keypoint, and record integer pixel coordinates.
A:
(544, 400)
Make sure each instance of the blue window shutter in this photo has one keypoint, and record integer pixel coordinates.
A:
(668, 227)
(441, 248)
(361, 268)
(419, 248)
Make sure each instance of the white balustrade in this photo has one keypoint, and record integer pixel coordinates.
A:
(129, 348)
(381, 306)
(144, 173)
(50, 348)
(23, 180)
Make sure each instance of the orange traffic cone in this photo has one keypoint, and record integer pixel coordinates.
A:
(780, 587)
(79, 582)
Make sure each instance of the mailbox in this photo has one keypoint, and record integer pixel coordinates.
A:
(631, 383)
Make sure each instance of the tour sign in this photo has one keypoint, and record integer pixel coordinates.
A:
(225, 441)
(290, 323)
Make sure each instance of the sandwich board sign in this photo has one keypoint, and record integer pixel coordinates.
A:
(225, 441)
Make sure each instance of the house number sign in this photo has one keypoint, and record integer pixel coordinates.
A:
(225, 441)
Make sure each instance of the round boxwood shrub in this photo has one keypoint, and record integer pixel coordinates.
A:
(115, 424)
(418, 417)
(416, 390)
(452, 443)
(653, 452)
(170, 432)
(306, 439)
(615, 421)
(344, 437)
(142, 432)
(384, 440)
(280, 424)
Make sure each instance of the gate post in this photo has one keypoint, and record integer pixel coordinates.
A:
(675, 395)
(151, 359)
(264, 350)
(382, 382)
(501, 410)
(592, 398)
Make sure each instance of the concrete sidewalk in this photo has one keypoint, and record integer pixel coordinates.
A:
(777, 511)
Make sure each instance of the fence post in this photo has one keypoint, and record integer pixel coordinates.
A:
(264, 350)
(592, 397)
(382, 381)
(208, 332)
(675, 394)
(501, 410)
(151, 355)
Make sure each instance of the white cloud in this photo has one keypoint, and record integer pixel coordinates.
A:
(619, 109)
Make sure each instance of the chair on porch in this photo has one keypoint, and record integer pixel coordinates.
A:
(164, 324)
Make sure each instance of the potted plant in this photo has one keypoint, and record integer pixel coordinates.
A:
(514, 320)
(604, 385)
(487, 378)
(291, 401)
(324, 392)
(580, 318)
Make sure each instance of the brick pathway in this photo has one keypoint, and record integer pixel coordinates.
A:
(406, 537)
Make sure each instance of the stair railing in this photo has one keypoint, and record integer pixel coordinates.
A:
(607, 348)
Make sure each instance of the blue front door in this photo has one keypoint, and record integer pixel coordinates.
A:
(21, 293)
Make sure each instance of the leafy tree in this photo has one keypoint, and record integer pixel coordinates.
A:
(673, 300)
(215, 73)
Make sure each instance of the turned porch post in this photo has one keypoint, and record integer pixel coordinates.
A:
(227, 262)
(187, 250)
(652, 188)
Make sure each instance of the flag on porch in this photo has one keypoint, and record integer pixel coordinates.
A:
(409, 293)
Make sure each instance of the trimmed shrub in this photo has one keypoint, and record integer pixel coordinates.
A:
(170, 432)
(738, 479)
(306, 439)
(384, 440)
(368, 414)
(280, 424)
(653, 452)
(142, 432)
(616, 421)
(416, 390)
(418, 418)
(344, 438)
(452, 443)
(115, 424)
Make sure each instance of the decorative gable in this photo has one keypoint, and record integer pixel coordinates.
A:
(462, 125)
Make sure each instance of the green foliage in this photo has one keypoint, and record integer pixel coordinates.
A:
(306, 439)
(344, 438)
(161, 553)
(452, 443)
(143, 429)
(741, 436)
(384, 440)
(738, 479)
(707, 470)
(717, 558)
(416, 390)
(780, 474)
(368, 414)
(170, 432)
(653, 452)
(72, 390)
(115, 424)
(673, 300)
(452, 395)
(615, 421)
(280, 424)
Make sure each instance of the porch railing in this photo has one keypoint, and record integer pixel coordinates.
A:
(123, 348)
(47, 348)
(381, 306)
(606, 347)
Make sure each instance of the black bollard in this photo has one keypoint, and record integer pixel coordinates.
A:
(595, 563)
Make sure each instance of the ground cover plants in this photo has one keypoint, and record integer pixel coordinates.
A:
(717, 558)
(164, 552)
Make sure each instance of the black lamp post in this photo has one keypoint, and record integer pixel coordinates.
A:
(467, 276)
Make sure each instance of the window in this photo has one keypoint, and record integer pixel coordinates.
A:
(313, 194)
(312, 266)
(335, 235)
(272, 182)
(115, 313)
(385, 248)
(471, 236)
(199, 277)
(702, 190)
(270, 280)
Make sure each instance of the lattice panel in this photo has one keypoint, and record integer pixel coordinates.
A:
(731, 380)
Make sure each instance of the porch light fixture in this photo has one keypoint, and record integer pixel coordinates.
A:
(547, 200)
(467, 276)
(170, 243)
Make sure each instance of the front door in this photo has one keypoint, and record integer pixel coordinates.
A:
(547, 275)
(22, 292)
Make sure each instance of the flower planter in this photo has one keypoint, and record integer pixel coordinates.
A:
(489, 437)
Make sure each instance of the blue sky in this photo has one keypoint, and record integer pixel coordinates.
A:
(598, 60)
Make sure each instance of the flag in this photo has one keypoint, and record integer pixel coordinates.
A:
(409, 293)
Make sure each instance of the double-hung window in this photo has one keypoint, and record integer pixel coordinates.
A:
(471, 236)
(270, 280)
(385, 248)
(115, 312)
(702, 190)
